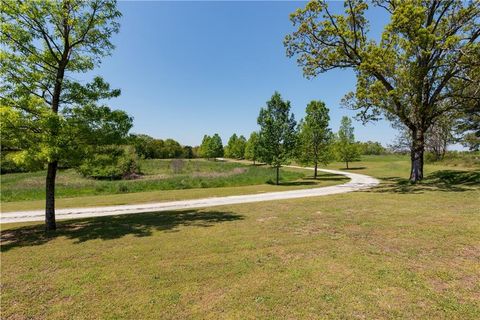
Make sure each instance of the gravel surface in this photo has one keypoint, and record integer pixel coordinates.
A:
(357, 182)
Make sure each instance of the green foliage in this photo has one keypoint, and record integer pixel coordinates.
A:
(111, 162)
(187, 152)
(205, 148)
(420, 69)
(149, 148)
(78, 131)
(468, 125)
(235, 148)
(472, 141)
(371, 148)
(211, 147)
(8, 164)
(459, 159)
(252, 147)
(346, 148)
(156, 175)
(51, 116)
(315, 137)
(277, 136)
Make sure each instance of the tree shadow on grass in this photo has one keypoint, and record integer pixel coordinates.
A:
(310, 181)
(291, 183)
(327, 177)
(443, 180)
(353, 168)
(113, 227)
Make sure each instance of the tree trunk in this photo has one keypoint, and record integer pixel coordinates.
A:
(416, 156)
(50, 223)
(278, 175)
(346, 162)
(316, 170)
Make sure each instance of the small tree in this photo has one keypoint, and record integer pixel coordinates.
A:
(315, 137)
(187, 152)
(346, 148)
(277, 135)
(251, 148)
(240, 147)
(216, 146)
(211, 147)
(371, 148)
(171, 149)
(439, 136)
(42, 44)
(236, 147)
(205, 149)
(229, 148)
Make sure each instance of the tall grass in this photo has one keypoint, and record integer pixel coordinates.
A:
(158, 175)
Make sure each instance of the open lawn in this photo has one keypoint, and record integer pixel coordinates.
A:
(397, 251)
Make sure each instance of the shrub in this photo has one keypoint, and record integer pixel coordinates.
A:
(111, 162)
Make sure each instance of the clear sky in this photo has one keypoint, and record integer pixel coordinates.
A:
(192, 68)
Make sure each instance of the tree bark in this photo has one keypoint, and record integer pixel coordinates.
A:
(416, 156)
(278, 175)
(316, 170)
(50, 223)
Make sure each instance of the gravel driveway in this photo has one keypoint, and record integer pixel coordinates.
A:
(357, 182)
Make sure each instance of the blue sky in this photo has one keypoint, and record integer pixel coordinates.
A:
(192, 68)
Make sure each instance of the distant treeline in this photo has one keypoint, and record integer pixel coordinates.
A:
(148, 147)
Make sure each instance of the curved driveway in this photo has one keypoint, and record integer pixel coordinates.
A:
(357, 182)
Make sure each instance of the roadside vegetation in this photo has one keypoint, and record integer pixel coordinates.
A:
(157, 175)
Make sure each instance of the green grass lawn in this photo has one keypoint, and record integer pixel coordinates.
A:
(158, 175)
(398, 251)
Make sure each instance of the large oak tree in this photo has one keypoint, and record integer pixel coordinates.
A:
(418, 71)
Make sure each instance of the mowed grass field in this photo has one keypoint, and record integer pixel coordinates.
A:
(399, 251)
(161, 181)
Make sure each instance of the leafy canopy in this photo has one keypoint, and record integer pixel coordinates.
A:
(315, 137)
(346, 147)
(46, 112)
(235, 147)
(211, 147)
(417, 71)
(277, 136)
(252, 147)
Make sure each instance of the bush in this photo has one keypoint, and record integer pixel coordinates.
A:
(112, 162)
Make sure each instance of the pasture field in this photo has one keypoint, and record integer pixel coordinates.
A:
(395, 251)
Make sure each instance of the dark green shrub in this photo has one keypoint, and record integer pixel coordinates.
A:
(111, 162)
